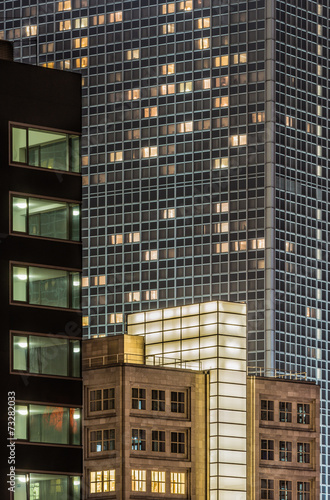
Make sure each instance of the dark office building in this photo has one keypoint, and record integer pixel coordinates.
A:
(40, 267)
(205, 150)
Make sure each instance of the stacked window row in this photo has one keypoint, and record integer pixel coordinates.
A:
(285, 413)
(284, 490)
(155, 400)
(286, 451)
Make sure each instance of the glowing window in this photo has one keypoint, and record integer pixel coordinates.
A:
(65, 25)
(116, 156)
(116, 318)
(221, 163)
(116, 17)
(149, 112)
(139, 480)
(168, 8)
(31, 30)
(168, 28)
(167, 69)
(258, 117)
(168, 213)
(186, 87)
(187, 5)
(66, 5)
(178, 483)
(157, 481)
(149, 152)
(81, 22)
(132, 297)
(238, 140)
(82, 62)
(202, 43)
(132, 54)
(221, 61)
(102, 481)
(202, 22)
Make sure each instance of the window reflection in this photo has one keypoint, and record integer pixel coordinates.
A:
(46, 355)
(46, 287)
(46, 149)
(46, 218)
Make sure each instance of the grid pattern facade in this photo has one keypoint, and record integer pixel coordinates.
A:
(204, 161)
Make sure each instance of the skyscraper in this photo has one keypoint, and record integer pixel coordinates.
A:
(204, 159)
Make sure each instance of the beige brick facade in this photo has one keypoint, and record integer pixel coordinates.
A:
(283, 439)
(154, 418)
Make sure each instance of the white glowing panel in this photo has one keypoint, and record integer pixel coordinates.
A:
(213, 336)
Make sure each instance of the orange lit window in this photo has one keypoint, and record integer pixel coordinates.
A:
(65, 25)
(149, 112)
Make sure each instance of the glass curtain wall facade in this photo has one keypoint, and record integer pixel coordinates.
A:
(204, 161)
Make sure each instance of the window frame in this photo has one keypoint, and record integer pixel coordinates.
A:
(176, 403)
(101, 400)
(16, 333)
(157, 402)
(70, 434)
(286, 411)
(139, 400)
(177, 446)
(268, 411)
(28, 126)
(158, 441)
(14, 194)
(304, 416)
(104, 481)
(103, 439)
(266, 449)
(141, 443)
(28, 265)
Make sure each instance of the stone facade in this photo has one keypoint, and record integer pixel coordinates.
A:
(148, 424)
(283, 439)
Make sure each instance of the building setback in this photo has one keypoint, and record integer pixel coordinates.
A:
(40, 267)
(204, 162)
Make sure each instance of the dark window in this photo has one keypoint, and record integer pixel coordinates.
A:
(267, 410)
(285, 451)
(303, 453)
(267, 489)
(178, 442)
(158, 400)
(177, 402)
(303, 490)
(138, 399)
(138, 439)
(267, 449)
(102, 440)
(285, 410)
(285, 490)
(102, 399)
(158, 441)
(303, 413)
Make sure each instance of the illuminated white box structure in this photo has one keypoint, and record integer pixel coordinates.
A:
(208, 336)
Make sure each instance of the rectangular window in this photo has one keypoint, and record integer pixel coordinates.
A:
(138, 399)
(46, 287)
(47, 486)
(48, 424)
(178, 442)
(101, 400)
(158, 400)
(116, 17)
(267, 410)
(64, 25)
(267, 449)
(178, 483)
(285, 410)
(177, 402)
(285, 490)
(267, 489)
(46, 355)
(138, 439)
(303, 453)
(139, 480)
(158, 481)
(285, 451)
(45, 149)
(132, 54)
(102, 440)
(303, 413)
(45, 217)
(158, 441)
(102, 481)
(66, 5)
(303, 490)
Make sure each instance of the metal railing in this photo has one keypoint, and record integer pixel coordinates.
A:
(268, 372)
